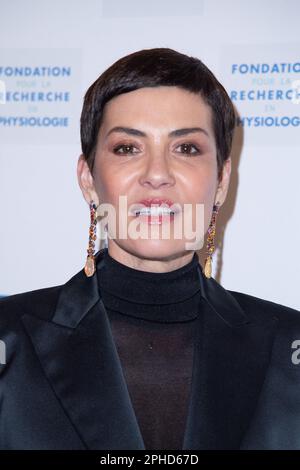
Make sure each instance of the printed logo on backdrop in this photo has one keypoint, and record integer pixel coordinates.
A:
(263, 82)
(40, 96)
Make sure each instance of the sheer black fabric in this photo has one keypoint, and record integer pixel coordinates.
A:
(152, 317)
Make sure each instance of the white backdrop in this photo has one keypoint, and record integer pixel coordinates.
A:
(254, 50)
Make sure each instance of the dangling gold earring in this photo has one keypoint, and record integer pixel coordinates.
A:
(90, 266)
(210, 241)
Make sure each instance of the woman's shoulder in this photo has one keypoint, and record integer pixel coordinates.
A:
(258, 308)
(38, 302)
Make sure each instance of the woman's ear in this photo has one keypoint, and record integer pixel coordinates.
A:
(224, 182)
(86, 181)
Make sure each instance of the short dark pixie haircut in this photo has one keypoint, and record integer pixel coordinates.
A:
(153, 68)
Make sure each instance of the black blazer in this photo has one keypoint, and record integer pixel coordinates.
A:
(62, 386)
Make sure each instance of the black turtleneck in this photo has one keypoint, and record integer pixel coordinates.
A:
(152, 317)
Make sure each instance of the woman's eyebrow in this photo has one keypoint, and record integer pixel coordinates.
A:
(176, 132)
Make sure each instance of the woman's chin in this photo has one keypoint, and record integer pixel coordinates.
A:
(155, 249)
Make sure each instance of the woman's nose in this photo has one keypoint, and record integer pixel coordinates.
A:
(157, 171)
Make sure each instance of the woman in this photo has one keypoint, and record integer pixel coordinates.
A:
(143, 349)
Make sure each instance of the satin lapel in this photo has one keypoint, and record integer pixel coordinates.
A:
(230, 362)
(79, 358)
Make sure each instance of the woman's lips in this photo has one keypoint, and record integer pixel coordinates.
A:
(148, 202)
(156, 219)
(155, 209)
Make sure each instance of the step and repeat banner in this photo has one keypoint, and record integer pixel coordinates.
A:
(50, 53)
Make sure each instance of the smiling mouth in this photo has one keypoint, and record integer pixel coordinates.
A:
(154, 211)
(155, 215)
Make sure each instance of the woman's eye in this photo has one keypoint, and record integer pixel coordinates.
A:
(126, 149)
(186, 148)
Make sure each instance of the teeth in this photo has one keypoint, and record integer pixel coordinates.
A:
(154, 211)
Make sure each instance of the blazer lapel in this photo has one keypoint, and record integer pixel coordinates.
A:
(80, 359)
(232, 355)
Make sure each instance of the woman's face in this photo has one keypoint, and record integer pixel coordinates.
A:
(147, 159)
